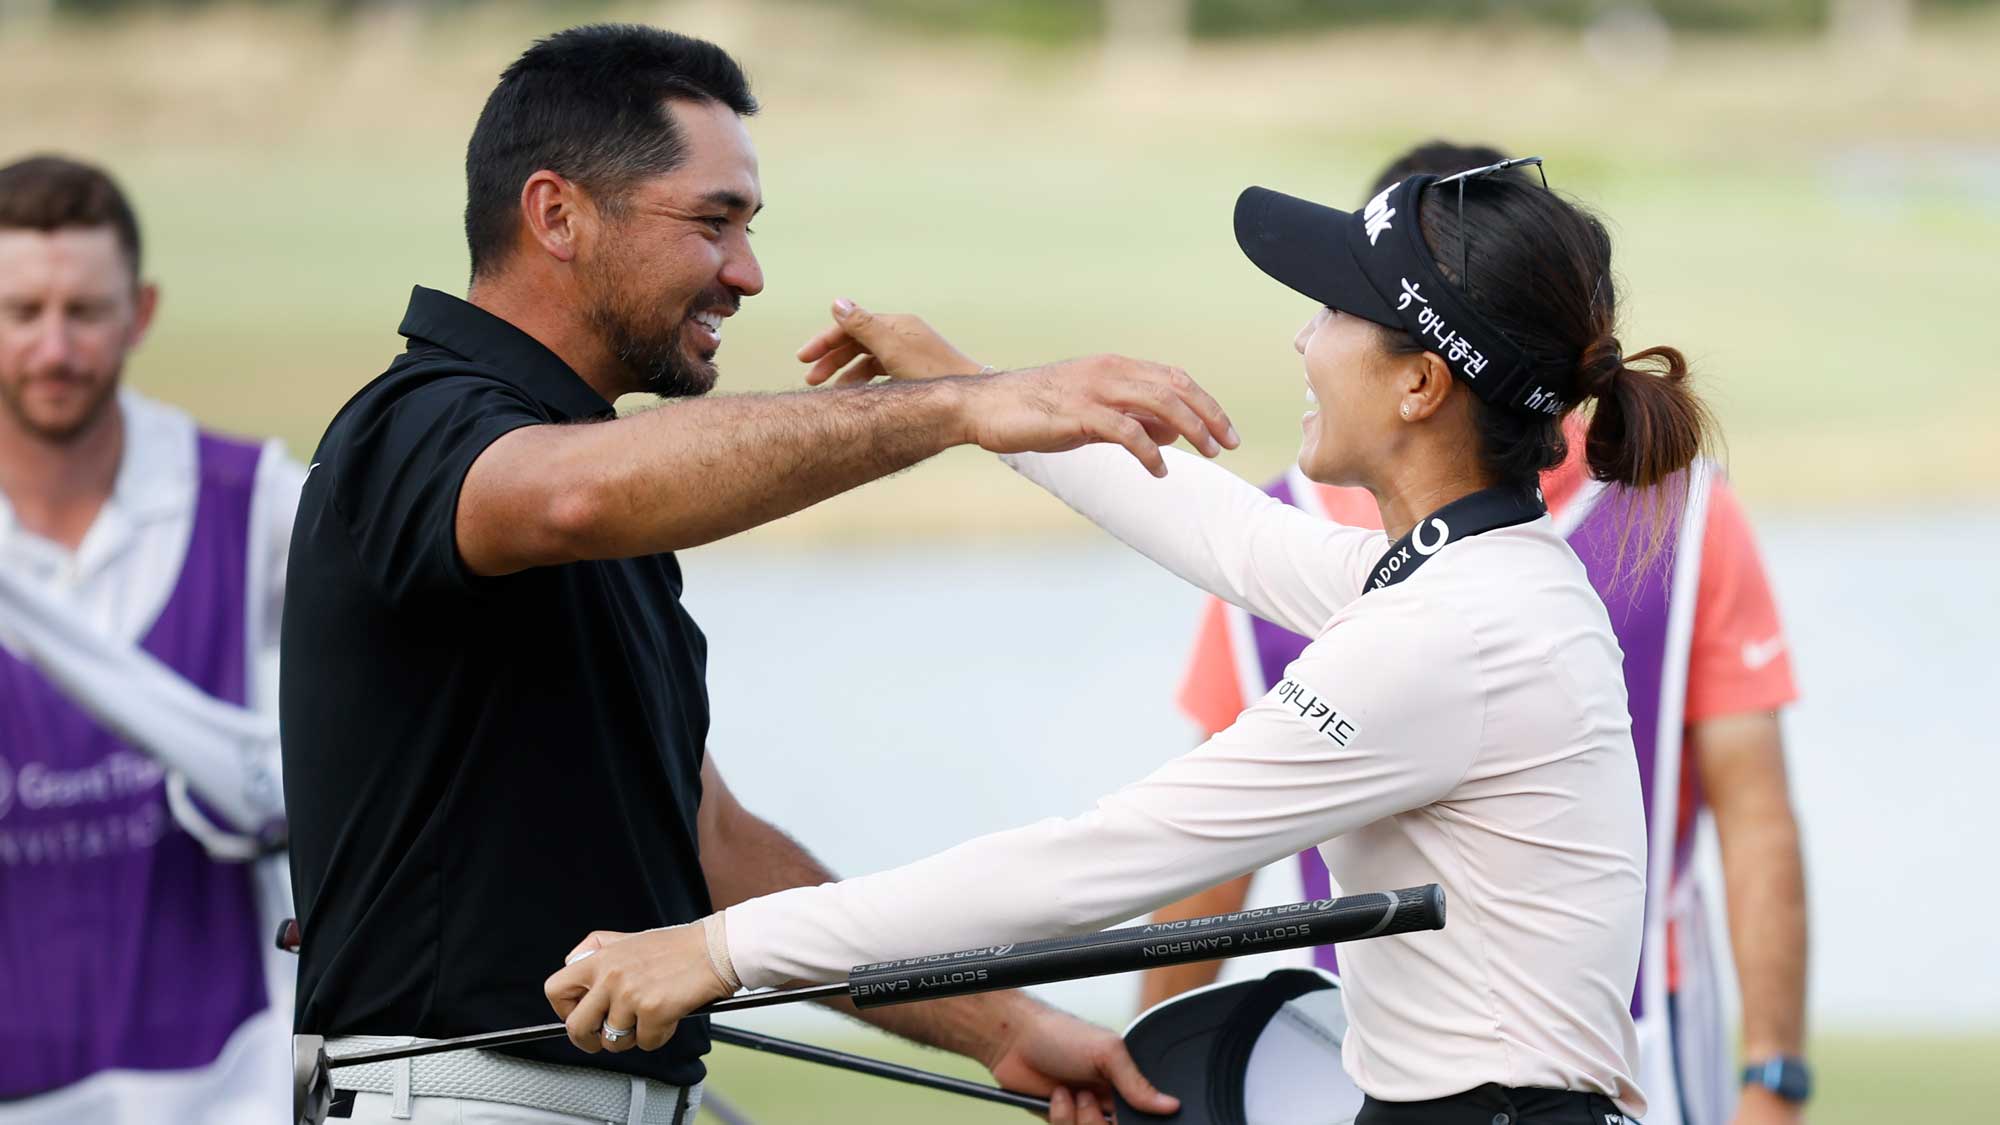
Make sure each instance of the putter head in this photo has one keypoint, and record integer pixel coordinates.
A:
(312, 1080)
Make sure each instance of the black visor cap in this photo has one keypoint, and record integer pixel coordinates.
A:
(1305, 246)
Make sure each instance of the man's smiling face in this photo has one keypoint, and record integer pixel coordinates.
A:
(673, 256)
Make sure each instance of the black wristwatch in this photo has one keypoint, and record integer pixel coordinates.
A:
(1785, 1075)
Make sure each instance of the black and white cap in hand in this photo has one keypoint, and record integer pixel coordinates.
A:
(1255, 1052)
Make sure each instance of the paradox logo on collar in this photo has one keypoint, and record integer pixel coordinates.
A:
(1483, 511)
(1432, 547)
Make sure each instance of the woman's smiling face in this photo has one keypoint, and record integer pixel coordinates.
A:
(1352, 395)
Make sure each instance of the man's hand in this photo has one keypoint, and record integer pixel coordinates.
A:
(1139, 405)
(1107, 398)
(640, 983)
(1075, 1065)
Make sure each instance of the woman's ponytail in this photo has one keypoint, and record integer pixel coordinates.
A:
(1537, 269)
(1647, 424)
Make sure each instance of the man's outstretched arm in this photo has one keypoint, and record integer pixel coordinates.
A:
(698, 470)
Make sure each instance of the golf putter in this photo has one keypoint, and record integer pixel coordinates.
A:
(988, 968)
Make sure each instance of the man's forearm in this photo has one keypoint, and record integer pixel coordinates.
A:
(698, 470)
(750, 857)
(1742, 763)
(1765, 877)
(690, 472)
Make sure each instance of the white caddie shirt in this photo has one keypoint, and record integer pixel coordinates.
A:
(1467, 727)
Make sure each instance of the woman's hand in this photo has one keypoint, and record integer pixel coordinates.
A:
(870, 345)
(640, 984)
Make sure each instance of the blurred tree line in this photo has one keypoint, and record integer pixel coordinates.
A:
(1082, 21)
(1065, 20)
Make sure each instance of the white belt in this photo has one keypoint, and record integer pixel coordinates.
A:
(602, 1095)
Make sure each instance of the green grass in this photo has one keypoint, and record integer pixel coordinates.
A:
(1802, 223)
(1862, 1081)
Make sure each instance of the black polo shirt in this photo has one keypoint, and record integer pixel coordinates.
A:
(478, 771)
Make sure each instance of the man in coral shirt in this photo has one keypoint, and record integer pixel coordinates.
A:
(1706, 673)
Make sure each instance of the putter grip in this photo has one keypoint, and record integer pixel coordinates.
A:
(1350, 918)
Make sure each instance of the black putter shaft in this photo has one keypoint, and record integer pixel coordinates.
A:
(556, 1030)
(806, 1052)
(1351, 918)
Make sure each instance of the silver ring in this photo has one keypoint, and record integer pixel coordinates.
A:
(613, 1034)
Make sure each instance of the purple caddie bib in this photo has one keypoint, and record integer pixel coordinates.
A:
(122, 944)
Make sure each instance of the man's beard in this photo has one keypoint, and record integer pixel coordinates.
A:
(103, 398)
(652, 352)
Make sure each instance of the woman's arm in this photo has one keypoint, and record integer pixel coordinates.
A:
(1395, 727)
(1201, 522)
(1216, 531)
(1300, 766)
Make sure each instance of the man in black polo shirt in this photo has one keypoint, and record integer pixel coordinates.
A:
(493, 701)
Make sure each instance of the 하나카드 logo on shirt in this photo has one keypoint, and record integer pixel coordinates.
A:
(1308, 704)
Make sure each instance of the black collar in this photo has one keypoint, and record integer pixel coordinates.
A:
(467, 330)
(1485, 510)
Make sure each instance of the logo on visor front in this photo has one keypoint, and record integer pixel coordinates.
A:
(1411, 290)
(1375, 217)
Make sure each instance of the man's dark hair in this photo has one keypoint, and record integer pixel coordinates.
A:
(588, 104)
(50, 193)
(1437, 158)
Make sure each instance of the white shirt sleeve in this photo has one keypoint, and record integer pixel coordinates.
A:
(229, 755)
(1215, 530)
(1381, 715)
